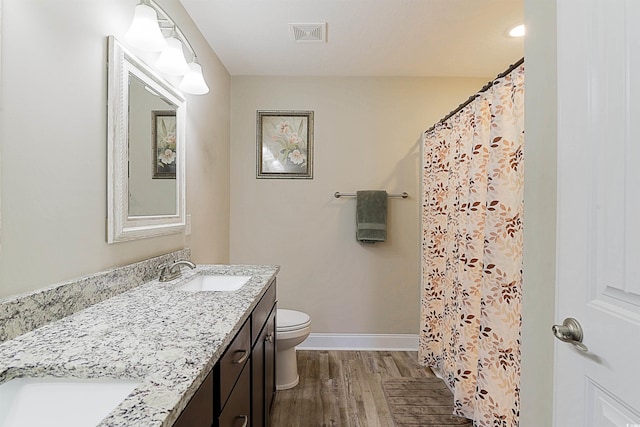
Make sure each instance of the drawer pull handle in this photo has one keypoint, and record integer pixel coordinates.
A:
(246, 420)
(269, 337)
(245, 355)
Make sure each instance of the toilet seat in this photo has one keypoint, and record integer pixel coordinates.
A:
(291, 320)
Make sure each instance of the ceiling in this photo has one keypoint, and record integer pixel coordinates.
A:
(456, 38)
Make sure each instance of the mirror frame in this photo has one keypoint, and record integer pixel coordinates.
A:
(120, 226)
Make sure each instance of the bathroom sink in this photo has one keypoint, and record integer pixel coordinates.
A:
(54, 402)
(218, 283)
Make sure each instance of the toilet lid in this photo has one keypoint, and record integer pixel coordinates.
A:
(287, 320)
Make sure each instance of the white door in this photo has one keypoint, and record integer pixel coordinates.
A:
(598, 279)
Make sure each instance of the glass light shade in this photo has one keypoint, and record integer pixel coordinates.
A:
(193, 82)
(171, 60)
(144, 32)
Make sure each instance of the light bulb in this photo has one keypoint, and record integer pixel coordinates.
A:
(144, 32)
(171, 60)
(193, 82)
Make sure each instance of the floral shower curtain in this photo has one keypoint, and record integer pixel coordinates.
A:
(472, 235)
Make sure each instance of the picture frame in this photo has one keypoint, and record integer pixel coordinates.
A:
(163, 135)
(284, 146)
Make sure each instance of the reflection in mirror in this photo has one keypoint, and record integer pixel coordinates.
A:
(146, 146)
(152, 151)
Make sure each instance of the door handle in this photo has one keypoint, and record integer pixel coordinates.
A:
(269, 337)
(570, 331)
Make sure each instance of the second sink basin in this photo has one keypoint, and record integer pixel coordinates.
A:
(60, 402)
(220, 283)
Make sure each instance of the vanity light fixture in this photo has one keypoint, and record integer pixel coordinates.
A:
(150, 23)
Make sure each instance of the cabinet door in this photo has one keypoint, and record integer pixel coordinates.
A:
(270, 365)
(257, 381)
(199, 410)
(263, 372)
(237, 412)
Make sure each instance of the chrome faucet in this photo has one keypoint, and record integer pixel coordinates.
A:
(169, 273)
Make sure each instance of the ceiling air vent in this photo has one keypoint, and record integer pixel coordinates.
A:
(308, 33)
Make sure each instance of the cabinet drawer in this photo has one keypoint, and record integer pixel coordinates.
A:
(237, 412)
(233, 360)
(261, 312)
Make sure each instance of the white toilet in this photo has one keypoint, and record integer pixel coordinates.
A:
(292, 327)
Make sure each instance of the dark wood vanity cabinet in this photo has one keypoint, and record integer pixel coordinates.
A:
(245, 375)
(263, 371)
(240, 389)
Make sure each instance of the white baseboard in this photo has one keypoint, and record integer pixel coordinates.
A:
(390, 342)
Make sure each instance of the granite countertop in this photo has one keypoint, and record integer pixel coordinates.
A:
(167, 339)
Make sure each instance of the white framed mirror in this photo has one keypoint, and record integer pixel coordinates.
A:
(146, 150)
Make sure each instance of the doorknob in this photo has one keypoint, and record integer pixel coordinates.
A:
(570, 331)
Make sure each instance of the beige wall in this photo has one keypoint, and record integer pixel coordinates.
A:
(540, 211)
(367, 133)
(208, 133)
(54, 145)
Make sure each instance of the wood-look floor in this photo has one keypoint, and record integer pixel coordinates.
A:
(343, 388)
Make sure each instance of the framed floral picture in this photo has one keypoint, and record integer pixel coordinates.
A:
(284, 144)
(163, 134)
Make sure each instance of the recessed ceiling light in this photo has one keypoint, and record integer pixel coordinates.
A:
(517, 31)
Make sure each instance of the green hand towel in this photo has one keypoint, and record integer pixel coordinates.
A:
(371, 216)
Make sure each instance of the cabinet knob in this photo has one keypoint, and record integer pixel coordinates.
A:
(269, 337)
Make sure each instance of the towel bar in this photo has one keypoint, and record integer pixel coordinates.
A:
(338, 194)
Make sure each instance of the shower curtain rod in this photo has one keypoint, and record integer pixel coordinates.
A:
(472, 97)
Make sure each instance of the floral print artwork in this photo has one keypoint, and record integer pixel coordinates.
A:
(472, 237)
(164, 123)
(284, 144)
